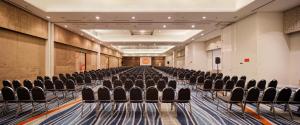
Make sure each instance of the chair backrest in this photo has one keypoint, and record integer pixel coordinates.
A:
(103, 94)
(273, 83)
(193, 80)
(16, 84)
(172, 84)
(23, 94)
(49, 84)
(237, 94)
(187, 76)
(207, 84)
(113, 78)
(168, 94)
(152, 94)
(150, 82)
(200, 80)
(119, 94)
(136, 94)
(79, 79)
(38, 93)
(40, 78)
(161, 85)
(251, 83)
(128, 84)
(6, 83)
(46, 77)
(261, 85)
(181, 76)
(59, 85)
(100, 76)
(284, 95)
(226, 78)
(88, 79)
(243, 78)
(70, 85)
(28, 84)
(156, 78)
(88, 94)
(234, 79)
(269, 95)
(184, 94)
(8, 94)
(240, 83)
(296, 96)
(38, 83)
(140, 83)
(107, 84)
(252, 94)
(229, 85)
(219, 84)
(118, 83)
(54, 78)
(166, 79)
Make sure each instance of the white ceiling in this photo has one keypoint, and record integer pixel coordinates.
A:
(115, 19)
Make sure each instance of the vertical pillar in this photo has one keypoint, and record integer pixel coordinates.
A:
(49, 71)
(173, 59)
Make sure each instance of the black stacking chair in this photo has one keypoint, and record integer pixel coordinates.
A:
(150, 83)
(261, 85)
(38, 83)
(136, 96)
(168, 96)
(28, 84)
(49, 86)
(59, 86)
(166, 79)
(23, 95)
(54, 78)
(7, 83)
(226, 78)
(283, 97)
(128, 84)
(147, 78)
(16, 84)
(103, 95)
(243, 78)
(240, 83)
(187, 77)
(40, 78)
(228, 86)
(193, 81)
(119, 94)
(88, 80)
(156, 78)
(46, 77)
(250, 84)
(8, 96)
(184, 96)
(87, 97)
(140, 77)
(39, 96)
(161, 85)
(296, 98)
(70, 87)
(207, 86)
(123, 79)
(100, 77)
(181, 77)
(218, 86)
(213, 75)
(151, 96)
(118, 83)
(251, 97)
(268, 97)
(200, 81)
(79, 80)
(172, 84)
(114, 78)
(107, 84)
(236, 96)
(131, 77)
(273, 83)
(140, 83)
(235, 79)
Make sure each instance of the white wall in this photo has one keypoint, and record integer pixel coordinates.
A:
(294, 67)
(196, 56)
(169, 58)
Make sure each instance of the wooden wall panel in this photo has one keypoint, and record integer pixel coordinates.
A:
(19, 20)
(91, 61)
(22, 56)
(113, 62)
(158, 61)
(103, 61)
(131, 61)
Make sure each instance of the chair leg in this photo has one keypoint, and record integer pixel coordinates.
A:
(257, 108)
(190, 107)
(82, 104)
(218, 104)
(230, 106)
(273, 108)
(290, 112)
(243, 108)
(33, 108)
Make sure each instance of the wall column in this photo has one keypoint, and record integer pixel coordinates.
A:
(49, 58)
(173, 59)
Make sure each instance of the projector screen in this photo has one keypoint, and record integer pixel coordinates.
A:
(145, 61)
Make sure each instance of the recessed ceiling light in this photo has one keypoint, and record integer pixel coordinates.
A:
(97, 17)
(164, 26)
(66, 26)
(48, 17)
(193, 26)
(193, 39)
(133, 17)
(204, 17)
(142, 31)
(202, 34)
(169, 17)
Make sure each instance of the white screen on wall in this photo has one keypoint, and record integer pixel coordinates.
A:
(145, 61)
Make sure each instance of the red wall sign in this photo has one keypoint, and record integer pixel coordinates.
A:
(246, 59)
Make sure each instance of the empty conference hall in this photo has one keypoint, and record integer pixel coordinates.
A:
(149, 62)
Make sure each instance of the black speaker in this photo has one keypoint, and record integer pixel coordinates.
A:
(217, 60)
(168, 62)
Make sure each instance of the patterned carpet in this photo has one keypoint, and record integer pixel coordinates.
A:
(204, 111)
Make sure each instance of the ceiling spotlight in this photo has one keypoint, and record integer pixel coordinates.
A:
(48, 17)
(142, 31)
(202, 34)
(193, 26)
(164, 26)
(66, 26)
(133, 17)
(97, 17)
(204, 17)
(169, 17)
(193, 39)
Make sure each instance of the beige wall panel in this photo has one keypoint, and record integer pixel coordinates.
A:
(91, 61)
(103, 61)
(113, 62)
(21, 21)
(22, 56)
